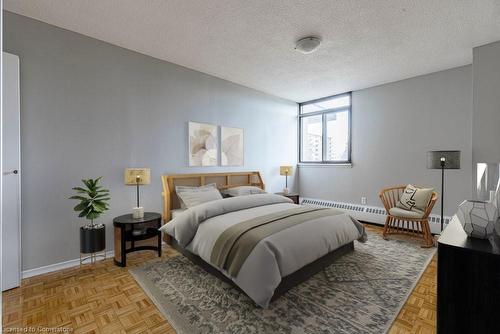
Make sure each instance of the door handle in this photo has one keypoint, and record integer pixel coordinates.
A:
(15, 171)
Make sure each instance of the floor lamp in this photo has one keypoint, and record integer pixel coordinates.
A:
(443, 160)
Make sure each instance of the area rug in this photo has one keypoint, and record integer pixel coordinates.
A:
(362, 292)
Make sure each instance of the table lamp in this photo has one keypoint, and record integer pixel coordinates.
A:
(286, 171)
(136, 177)
(443, 160)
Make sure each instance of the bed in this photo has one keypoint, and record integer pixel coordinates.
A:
(261, 243)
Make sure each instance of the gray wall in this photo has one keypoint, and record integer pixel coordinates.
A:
(394, 125)
(486, 103)
(92, 109)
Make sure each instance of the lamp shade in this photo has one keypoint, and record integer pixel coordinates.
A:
(134, 176)
(286, 170)
(451, 159)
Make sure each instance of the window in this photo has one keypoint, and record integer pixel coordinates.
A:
(325, 130)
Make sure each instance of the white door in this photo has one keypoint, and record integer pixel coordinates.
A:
(11, 179)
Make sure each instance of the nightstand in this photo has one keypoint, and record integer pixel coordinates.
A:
(133, 234)
(292, 196)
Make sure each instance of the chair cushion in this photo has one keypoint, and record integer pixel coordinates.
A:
(414, 198)
(398, 212)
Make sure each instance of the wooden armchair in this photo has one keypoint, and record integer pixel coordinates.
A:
(406, 222)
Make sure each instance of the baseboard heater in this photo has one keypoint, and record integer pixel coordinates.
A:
(370, 214)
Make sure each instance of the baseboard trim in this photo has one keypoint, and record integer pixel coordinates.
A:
(57, 266)
(61, 265)
(373, 214)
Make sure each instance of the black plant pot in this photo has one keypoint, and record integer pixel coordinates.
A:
(92, 240)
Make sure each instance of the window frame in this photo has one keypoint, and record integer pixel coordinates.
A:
(324, 114)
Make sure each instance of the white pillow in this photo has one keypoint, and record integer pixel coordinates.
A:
(192, 196)
(415, 199)
(174, 213)
(243, 191)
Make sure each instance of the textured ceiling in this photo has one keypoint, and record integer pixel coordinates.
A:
(250, 42)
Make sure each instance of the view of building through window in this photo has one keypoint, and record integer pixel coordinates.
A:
(330, 124)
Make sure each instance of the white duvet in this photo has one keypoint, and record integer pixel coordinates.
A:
(274, 257)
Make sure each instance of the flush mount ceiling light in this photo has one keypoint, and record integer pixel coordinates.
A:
(307, 44)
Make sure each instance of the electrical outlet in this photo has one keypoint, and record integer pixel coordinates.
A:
(363, 200)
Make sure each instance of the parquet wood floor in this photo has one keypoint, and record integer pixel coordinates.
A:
(104, 298)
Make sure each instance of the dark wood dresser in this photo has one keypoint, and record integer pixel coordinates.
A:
(468, 282)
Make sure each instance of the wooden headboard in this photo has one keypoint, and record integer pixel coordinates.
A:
(223, 181)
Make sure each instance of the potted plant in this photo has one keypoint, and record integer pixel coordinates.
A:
(93, 203)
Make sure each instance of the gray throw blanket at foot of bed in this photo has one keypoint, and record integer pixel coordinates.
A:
(236, 243)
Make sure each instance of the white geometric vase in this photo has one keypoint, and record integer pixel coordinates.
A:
(478, 218)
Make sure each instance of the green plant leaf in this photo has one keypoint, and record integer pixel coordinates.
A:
(102, 198)
(93, 199)
(93, 215)
(80, 207)
(99, 206)
(88, 183)
(80, 190)
(81, 198)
